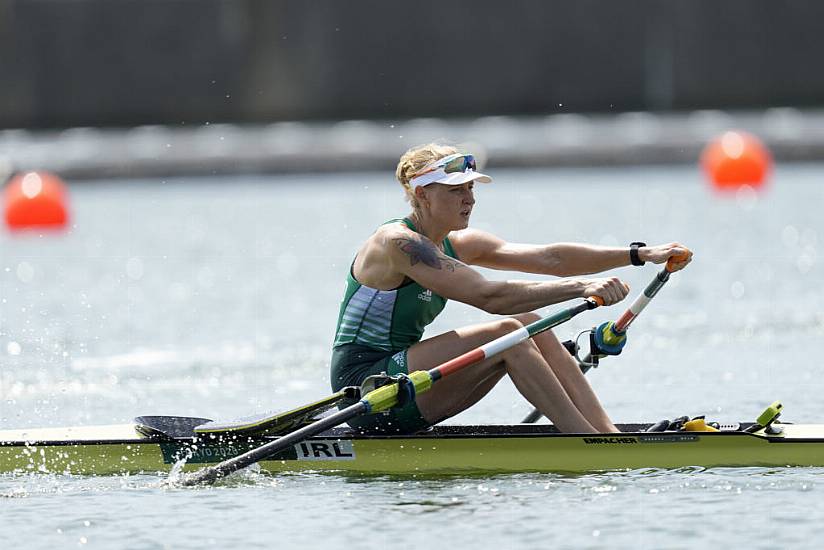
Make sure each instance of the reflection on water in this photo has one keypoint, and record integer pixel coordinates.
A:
(515, 510)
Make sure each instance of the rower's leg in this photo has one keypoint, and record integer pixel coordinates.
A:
(477, 393)
(569, 374)
(524, 363)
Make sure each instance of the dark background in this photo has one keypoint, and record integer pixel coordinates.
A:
(70, 63)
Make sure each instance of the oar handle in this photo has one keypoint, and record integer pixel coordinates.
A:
(626, 319)
(676, 259)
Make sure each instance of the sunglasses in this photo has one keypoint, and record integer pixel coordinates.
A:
(448, 170)
(458, 162)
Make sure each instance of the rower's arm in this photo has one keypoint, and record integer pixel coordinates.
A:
(419, 259)
(559, 259)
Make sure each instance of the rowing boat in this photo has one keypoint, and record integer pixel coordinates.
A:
(155, 444)
(303, 439)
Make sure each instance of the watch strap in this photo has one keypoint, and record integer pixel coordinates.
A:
(633, 253)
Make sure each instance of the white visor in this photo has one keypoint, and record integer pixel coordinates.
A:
(455, 178)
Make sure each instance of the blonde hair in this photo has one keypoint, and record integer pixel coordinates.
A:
(412, 161)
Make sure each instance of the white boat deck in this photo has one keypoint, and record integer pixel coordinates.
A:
(74, 433)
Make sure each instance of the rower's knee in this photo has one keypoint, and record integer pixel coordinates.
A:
(527, 318)
(546, 337)
(505, 326)
(508, 325)
(516, 322)
(522, 354)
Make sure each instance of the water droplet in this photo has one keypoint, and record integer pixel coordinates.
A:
(805, 263)
(746, 197)
(25, 272)
(789, 236)
(134, 268)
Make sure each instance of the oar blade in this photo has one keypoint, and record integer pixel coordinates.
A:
(168, 427)
(277, 423)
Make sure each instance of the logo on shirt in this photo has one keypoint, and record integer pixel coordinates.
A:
(425, 296)
(400, 359)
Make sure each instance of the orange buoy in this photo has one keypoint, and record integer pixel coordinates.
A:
(36, 200)
(734, 159)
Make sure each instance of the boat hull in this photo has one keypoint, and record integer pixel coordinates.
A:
(122, 449)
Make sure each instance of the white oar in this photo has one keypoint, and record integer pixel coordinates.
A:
(388, 396)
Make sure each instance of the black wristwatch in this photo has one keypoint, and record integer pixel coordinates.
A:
(633, 253)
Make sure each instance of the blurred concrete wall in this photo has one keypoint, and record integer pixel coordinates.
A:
(127, 62)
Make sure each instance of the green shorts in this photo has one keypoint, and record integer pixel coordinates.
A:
(351, 364)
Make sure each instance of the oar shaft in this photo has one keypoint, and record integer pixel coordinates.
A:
(626, 319)
(209, 475)
(509, 340)
(386, 397)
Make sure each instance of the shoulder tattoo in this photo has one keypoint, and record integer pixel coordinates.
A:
(419, 250)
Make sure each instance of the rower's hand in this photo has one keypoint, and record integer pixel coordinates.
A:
(681, 255)
(611, 289)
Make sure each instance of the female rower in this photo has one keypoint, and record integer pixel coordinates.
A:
(403, 274)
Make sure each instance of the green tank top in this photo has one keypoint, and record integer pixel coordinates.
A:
(389, 320)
